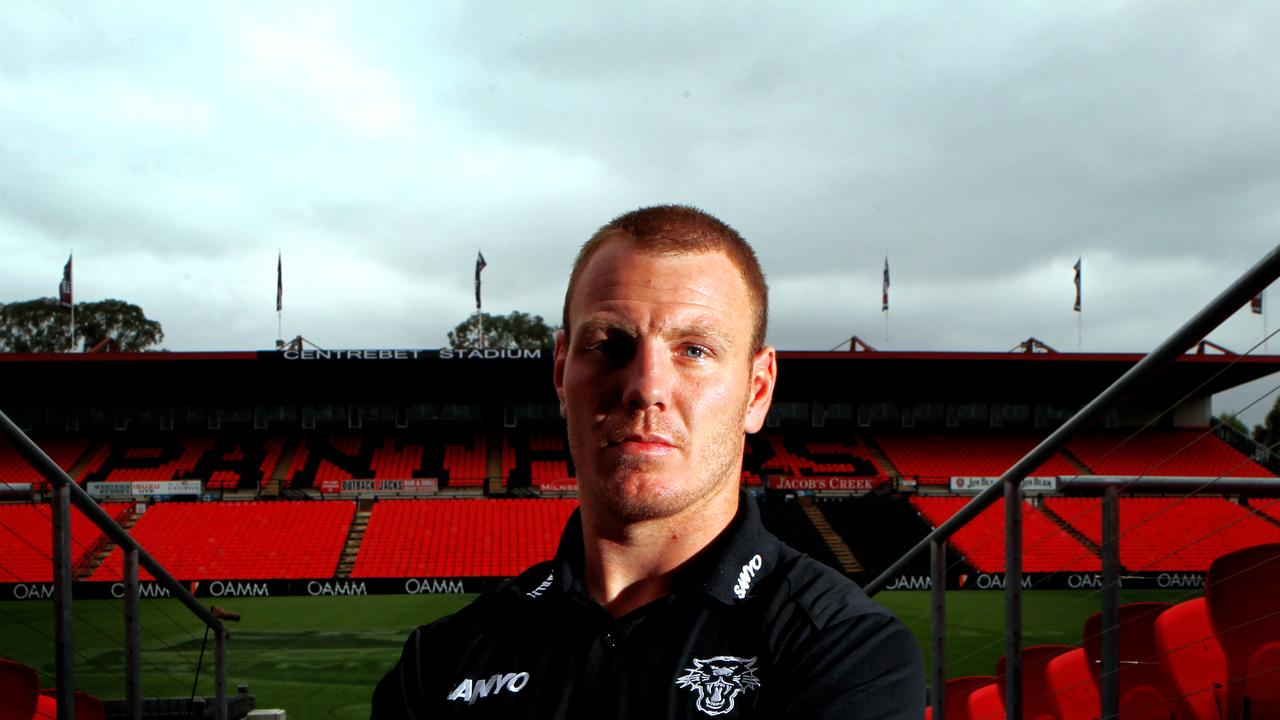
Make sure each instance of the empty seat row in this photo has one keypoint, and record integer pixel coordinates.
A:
(1211, 658)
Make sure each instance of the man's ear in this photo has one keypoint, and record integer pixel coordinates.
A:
(764, 374)
(562, 350)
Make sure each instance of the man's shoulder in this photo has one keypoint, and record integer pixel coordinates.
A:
(500, 604)
(804, 589)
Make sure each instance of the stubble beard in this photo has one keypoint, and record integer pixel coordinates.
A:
(643, 488)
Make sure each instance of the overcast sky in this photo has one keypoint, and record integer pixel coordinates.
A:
(983, 147)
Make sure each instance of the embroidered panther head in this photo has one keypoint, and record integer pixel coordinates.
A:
(719, 681)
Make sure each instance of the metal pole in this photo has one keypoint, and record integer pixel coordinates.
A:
(1213, 314)
(1110, 685)
(220, 675)
(1013, 601)
(64, 644)
(59, 479)
(938, 626)
(132, 637)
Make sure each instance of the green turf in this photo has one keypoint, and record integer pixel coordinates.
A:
(319, 658)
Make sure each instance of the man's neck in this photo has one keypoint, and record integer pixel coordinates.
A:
(631, 564)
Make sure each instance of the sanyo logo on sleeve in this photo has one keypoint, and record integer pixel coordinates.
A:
(469, 690)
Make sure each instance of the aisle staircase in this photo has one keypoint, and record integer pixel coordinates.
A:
(102, 548)
(355, 536)
(839, 548)
(1070, 529)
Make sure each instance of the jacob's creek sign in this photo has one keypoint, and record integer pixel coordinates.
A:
(842, 484)
(144, 489)
(975, 485)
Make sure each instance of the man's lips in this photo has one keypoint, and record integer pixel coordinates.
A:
(644, 444)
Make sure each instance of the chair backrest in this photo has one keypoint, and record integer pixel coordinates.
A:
(88, 707)
(986, 703)
(1192, 660)
(19, 686)
(1242, 591)
(1037, 695)
(1074, 695)
(1144, 693)
(957, 692)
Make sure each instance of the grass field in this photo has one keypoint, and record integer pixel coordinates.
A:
(320, 657)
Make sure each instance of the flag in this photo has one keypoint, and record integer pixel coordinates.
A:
(1256, 304)
(65, 296)
(1077, 266)
(884, 287)
(480, 265)
(279, 283)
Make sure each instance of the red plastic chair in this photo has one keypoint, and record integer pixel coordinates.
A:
(1243, 594)
(1192, 660)
(1037, 696)
(986, 703)
(957, 692)
(1074, 694)
(19, 690)
(1144, 694)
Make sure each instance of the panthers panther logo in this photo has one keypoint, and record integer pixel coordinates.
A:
(719, 681)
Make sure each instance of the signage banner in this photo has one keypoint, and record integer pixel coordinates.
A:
(568, 485)
(144, 488)
(318, 587)
(411, 486)
(1040, 484)
(835, 483)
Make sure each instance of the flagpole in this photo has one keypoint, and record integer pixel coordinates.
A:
(1265, 330)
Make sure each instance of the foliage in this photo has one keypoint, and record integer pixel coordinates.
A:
(517, 331)
(43, 326)
(1268, 433)
(1235, 423)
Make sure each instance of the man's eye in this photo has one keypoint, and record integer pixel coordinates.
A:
(695, 352)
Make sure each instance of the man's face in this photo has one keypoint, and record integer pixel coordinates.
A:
(658, 380)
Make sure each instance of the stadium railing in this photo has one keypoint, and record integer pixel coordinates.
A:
(65, 494)
(1245, 288)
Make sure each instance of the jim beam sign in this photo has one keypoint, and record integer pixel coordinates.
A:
(1041, 485)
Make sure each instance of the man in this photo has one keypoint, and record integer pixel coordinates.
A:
(667, 597)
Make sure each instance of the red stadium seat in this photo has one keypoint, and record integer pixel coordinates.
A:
(1073, 693)
(957, 692)
(19, 690)
(1243, 595)
(1037, 695)
(1144, 695)
(986, 703)
(1193, 662)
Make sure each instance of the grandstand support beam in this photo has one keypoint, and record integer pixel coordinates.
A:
(938, 626)
(1110, 694)
(64, 644)
(1210, 316)
(1013, 600)
(220, 674)
(132, 637)
(59, 480)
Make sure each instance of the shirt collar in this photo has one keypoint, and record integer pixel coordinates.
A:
(726, 570)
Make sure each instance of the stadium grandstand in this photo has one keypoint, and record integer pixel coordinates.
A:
(388, 472)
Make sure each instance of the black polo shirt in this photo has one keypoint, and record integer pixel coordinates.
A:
(752, 629)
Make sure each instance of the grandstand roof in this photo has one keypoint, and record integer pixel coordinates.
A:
(469, 376)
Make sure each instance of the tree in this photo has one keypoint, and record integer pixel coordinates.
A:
(1268, 433)
(1235, 423)
(42, 325)
(517, 331)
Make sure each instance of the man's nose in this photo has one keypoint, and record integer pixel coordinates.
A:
(648, 377)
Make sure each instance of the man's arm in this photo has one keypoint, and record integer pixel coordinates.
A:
(400, 694)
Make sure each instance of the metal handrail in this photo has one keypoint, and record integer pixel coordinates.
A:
(1246, 287)
(66, 493)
